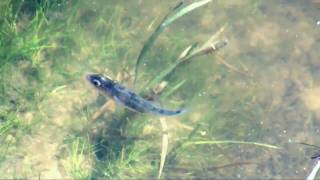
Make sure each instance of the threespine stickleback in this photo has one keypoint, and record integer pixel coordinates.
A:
(127, 97)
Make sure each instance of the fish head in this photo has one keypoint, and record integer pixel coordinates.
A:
(101, 82)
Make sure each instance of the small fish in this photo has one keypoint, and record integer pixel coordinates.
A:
(128, 98)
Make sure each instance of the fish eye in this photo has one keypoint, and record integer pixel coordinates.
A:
(96, 82)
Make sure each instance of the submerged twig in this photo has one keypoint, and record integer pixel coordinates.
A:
(108, 106)
(209, 46)
(229, 66)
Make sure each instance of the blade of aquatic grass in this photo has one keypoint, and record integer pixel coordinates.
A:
(190, 143)
(188, 50)
(165, 142)
(173, 15)
(312, 145)
(173, 89)
(11, 121)
(5, 128)
(184, 11)
(73, 14)
(208, 47)
(156, 80)
(148, 44)
(314, 171)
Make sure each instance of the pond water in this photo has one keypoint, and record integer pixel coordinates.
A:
(249, 105)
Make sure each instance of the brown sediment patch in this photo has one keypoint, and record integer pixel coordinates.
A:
(311, 98)
(265, 34)
(41, 154)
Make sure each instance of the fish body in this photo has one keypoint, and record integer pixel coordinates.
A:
(128, 98)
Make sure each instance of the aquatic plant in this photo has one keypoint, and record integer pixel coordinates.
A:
(47, 46)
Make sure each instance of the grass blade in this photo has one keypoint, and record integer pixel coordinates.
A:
(190, 52)
(165, 142)
(229, 142)
(312, 145)
(314, 171)
(177, 12)
(184, 11)
(174, 89)
(162, 75)
(187, 51)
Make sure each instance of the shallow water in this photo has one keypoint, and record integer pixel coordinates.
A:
(262, 87)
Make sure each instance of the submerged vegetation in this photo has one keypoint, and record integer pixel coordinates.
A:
(51, 121)
(44, 41)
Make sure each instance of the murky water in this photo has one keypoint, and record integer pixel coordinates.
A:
(262, 87)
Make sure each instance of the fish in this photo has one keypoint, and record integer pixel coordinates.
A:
(128, 98)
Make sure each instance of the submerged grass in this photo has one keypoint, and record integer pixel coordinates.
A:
(78, 163)
(24, 41)
(229, 142)
(178, 11)
(46, 46)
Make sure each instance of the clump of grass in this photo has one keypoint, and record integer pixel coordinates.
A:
(20, 41)
(77, 161)
(24, 41)
(128, 163)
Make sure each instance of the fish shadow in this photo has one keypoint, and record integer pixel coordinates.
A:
(111, 137)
